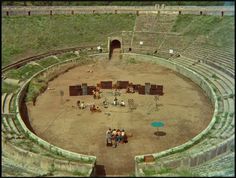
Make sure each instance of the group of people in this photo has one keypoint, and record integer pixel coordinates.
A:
(93, 108)
(115, 136)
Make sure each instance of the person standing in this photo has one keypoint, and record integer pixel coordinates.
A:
(108, 137)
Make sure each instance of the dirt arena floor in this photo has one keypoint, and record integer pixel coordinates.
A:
(183, 108)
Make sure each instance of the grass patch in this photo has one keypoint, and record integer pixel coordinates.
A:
(78, 173)
(164, 170)
(214, 28)
(140, 160)
(24, 35)
(225, 115)
(46, 62)
(186, 173)
(231, 95)
(231, 114)
(131, 61)
(66, 56)
(9, 88)
(215, 76)
(35, 88)
(24, 72)
(149, 172)
(218, 118)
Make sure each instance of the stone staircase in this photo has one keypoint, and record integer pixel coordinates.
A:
(9, 124)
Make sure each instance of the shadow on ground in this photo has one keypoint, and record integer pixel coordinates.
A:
(160, 133)
(100, 171)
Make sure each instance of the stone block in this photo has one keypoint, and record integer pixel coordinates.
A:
(149, 158)
(208, 155)
(213, 153)
(186, 162)
(221, 149)
(201, 158)
(173, 164)
(193, 161)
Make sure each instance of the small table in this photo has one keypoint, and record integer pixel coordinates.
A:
(157, 125)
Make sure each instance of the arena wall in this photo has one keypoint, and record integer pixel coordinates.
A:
(158, 9)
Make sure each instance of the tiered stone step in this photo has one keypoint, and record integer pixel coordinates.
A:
(164, 23)
(166, 18)
(206, 52)
(126, 39)
(224, 85)
(206, 71)
(175, 42)
(145, 22)
(163, 27)
(146, 38)
(3, 101)
(222, 165)
(8, 121)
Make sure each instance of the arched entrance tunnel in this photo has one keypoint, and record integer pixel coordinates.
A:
(115, 47)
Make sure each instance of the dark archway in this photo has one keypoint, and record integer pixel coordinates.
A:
(115, 44)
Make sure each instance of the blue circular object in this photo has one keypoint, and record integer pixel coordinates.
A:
(157, 124)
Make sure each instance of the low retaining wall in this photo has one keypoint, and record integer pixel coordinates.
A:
(44, 163)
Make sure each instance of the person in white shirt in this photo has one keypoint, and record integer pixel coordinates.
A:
(122, 103)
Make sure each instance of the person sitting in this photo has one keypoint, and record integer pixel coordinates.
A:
(78, 103)
(122, 103)
(93, 108)
(82, 105)
(105, 103)
(115, 102)
(94, 94)
(98, 109)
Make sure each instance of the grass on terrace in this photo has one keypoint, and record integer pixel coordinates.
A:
(24, 36)
(217, 31)
(48, 61)
(8, 88)
(24, 72)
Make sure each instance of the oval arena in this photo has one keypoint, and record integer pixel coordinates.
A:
(43, 124)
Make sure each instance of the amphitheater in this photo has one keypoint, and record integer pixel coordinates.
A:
(188, 49)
